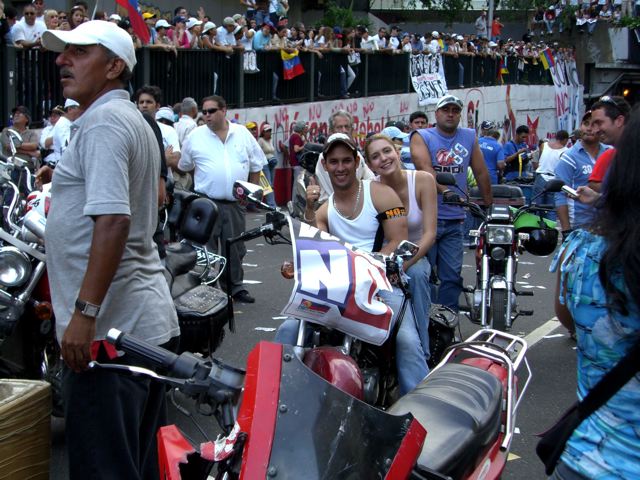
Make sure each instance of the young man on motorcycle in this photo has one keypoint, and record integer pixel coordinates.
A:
(356, 212)
(448, 148)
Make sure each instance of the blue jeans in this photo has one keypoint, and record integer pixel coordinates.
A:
(547, 198)
(420, 289)
(446, 256)
(268, 172)
(411, 361)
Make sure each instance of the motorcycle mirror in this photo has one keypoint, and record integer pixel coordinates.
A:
(406, 250)
(15, 137)
(446, 179)
(247, 192)
(554, 185)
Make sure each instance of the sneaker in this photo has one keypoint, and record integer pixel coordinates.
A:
(243, 297)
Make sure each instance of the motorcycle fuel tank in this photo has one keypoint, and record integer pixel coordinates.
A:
(338, 369)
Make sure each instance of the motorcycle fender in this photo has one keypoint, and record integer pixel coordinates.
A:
(498, 283)
(173, 449)
(338, 369)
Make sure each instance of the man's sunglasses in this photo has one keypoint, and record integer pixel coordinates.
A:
(614, 103)
(209, 111)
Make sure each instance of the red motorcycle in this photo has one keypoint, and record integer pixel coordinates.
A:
(283, 420)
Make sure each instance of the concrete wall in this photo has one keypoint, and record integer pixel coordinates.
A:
(506, 105)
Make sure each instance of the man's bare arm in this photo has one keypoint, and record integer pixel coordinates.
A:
(480, 171)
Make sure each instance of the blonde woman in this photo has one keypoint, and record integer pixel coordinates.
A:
(417, 190)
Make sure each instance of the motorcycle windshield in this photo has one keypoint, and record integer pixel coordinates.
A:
(323, 433)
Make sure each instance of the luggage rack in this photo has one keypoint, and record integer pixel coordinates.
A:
(506, 349)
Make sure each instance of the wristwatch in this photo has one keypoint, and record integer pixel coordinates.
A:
(87, 309)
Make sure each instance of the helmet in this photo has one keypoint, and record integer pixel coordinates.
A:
(543, 236)
(542, 241)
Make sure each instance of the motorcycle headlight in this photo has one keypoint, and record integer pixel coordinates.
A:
(15, 267)
(499, 234)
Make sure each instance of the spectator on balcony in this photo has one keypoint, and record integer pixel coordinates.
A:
(27, 32)
(496, 29)
(605, 14)
(189, 37)
(262, 38)
(453, 49)
(416, 44)
(251, 9)
(537, 23)
(150, 20)
(550, 19)
(8, 19)
(394, 38)
(367, 43)
(76, 16)
(481, 25)
(162, 40)
(591, 20)
(225, 36)
(381, 38)
(50, 18)
(40, 9)
(280, 41)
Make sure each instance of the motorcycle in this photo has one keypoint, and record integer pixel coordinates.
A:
(504, 233)
(280, 419)
(28, 347)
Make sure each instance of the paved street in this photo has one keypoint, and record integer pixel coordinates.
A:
(551, 356)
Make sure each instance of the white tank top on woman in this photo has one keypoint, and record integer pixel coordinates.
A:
(360, 231)
(414, 212)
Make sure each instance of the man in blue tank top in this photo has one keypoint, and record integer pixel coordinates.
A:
(450, 149)
(491, 150)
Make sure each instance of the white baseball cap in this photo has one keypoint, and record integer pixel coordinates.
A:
(115, 16)
(192, 22)
(94, 32)
(448, 100)
(162, 23)
(208, 26)
(70, 103)
(165, 113)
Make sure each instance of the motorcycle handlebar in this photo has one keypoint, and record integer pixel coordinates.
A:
(184, 366)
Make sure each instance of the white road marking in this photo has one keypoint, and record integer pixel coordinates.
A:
(526, 275)
(526, 263)
(516, 430)
(556, 335)
(249, 264)
(541, 287)
(251, 282)
(282, 317)
(265, 329)
(249, 251)
(467, 266)
(528, 286)
(259, 244)
(542, 331)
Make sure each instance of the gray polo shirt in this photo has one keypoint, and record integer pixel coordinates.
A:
(110, 168)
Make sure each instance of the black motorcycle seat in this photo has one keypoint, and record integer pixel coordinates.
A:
(180, 258)
(200, 301)
(499, 191)
(460, 407)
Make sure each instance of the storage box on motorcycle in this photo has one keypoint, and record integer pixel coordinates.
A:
(25, 429)
(502, 195)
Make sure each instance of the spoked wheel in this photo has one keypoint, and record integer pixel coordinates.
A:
(498, 310)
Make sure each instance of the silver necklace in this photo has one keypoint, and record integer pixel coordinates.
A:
(355, 207)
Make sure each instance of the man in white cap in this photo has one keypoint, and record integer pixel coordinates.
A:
(60, 135)
(448, 148)
(103, 267)
(225, 36)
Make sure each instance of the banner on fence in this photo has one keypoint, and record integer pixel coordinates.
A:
(427, 77)
(564, 73)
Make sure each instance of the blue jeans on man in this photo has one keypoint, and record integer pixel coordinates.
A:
(547, 198)
(446, 257)
(411, 361)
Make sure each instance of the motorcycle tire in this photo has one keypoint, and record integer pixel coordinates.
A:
(498, 310)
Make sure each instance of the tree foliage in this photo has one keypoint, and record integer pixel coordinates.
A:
(342, 17)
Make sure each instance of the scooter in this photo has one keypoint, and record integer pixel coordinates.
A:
(281, 420)
(505, 233)
(28, 347)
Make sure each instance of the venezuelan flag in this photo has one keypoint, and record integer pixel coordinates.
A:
(291, 64)
(502, 70)
(135, 17)
(547, 58)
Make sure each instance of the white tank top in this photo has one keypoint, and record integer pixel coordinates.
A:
(360, 231)
(414, 213)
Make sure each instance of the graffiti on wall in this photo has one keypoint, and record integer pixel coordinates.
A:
(508, 106)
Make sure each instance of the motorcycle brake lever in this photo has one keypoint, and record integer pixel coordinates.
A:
(189, 386)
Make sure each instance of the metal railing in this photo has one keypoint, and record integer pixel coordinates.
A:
(30, 77)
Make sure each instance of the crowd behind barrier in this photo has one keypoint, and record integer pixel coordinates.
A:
(30, 77)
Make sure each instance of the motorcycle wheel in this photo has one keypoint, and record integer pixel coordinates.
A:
(498, 310)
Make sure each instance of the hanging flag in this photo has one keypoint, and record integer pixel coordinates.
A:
(291, 64)
(502, 70)
(137, 22)
(547, 58)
